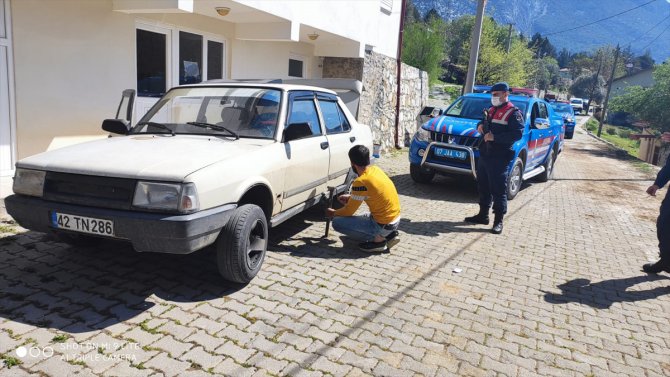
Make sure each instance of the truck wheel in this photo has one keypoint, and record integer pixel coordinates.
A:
(419, 175)
(242, 244)
(548, 167)
(515, 179)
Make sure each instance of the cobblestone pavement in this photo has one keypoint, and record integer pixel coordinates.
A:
(559, 293)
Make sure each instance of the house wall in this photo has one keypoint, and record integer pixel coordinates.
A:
(378, 100)
(644, 79)
(254, 60)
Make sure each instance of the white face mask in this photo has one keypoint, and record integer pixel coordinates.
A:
(495, 101)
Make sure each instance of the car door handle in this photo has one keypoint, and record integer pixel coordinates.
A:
(352, 139)
(324, 145)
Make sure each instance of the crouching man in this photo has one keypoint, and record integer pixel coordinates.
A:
(378, 229)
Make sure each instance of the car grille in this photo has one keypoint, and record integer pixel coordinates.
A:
(88, 190)
(466, 141)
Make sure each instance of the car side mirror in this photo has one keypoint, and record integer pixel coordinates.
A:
(542, 123)
(296, 131)
(115, 126)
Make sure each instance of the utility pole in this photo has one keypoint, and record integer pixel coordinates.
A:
(509, 37)
(474, 47)
(593, 87)
(609, 88)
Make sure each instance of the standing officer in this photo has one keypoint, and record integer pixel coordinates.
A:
(501, 128)
(663, 221)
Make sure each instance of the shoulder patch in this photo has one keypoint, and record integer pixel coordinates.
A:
(518, 116)
(359, 188)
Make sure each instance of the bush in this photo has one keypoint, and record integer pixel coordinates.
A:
(454, 91)
(592, 125)
(611, 131)
(624, 133)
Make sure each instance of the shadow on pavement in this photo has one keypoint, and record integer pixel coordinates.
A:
(603, 294)
(435, 228)
(78, 289)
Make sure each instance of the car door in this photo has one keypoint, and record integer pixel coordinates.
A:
(308, 156)
(541, 135)
(340, 138)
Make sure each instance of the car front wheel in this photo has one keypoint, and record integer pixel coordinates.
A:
(242, 244)
(548, 167)
(420, 175)
(515, 179)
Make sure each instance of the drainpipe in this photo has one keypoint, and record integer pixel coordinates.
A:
(399, 63)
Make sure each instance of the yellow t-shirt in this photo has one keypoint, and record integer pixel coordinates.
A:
(376, 189)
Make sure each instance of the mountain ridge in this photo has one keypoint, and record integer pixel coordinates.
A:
(647, 27)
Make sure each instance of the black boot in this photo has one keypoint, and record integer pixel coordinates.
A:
(481, 218)
(654, 268)
(497, 224)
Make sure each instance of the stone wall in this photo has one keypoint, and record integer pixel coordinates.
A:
(378, 101)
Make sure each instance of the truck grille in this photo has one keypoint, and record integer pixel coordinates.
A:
(467, 141)
(88, 190)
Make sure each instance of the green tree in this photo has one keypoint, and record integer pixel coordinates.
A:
(423, 46)
(589, 86)
(649, 104)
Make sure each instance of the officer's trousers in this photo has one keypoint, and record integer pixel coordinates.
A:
(492, 183)
(663, 230)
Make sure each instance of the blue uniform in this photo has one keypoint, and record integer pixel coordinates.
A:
(663, 221)
(506, 124)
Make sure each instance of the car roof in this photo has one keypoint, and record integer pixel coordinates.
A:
(238, 84)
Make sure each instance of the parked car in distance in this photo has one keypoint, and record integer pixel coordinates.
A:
(449, 144)
(577, 105)
(565, 110)
(209, 164)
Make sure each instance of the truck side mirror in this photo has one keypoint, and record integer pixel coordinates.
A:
(542, 123)
(116, 126)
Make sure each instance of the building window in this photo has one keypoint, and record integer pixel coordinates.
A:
(386, 6)
(214, 60)
(190, 58)
(295, 68)
(151, 63)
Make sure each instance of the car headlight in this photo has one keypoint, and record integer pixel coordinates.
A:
(166, 196)
(29, 182)
(422, 135)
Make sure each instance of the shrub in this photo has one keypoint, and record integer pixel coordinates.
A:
(454, 91)
(625, 133)
(611, 131)
(592, 125)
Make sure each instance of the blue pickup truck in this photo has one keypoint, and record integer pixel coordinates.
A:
(449, 144)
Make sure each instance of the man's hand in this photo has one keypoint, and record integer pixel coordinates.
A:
(344, 199)
(330, 213)
(488, 136)
(652, 190)
(480, 128)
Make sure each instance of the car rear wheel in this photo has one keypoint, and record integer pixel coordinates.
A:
(242, 244)
(548, 167)
(515, 179)
(420, 175)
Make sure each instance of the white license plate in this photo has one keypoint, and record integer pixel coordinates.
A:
(451, 153)
(82, 224)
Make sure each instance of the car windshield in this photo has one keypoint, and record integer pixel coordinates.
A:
(473, 107)
(562, 107)
(576, 101)
(226, 111)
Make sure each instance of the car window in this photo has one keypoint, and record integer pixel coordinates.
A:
(473, 107)
(543, 110)
(304, 111)
(333, 117)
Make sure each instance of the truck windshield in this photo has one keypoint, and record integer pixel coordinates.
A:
(473, 107)
(562, 107)
(237, 111)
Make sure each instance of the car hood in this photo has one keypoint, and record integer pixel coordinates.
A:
(453, 126)
(153, 157)
(564, 114)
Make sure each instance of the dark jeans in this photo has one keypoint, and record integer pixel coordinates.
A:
(663, 229)
(492, 183)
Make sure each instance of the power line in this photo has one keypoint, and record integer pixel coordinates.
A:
(602, 19)
(653, 40)
(650, 29)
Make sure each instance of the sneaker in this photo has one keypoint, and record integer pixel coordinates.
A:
(373, 247)
(654, 268)
(392, 239)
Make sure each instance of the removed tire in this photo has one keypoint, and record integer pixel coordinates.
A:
(242, 244)
(420, 175)
(548, 167)
(515, 179)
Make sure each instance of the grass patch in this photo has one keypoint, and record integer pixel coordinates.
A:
(59, 338)
(146, 327)
(10, 361)
(630, 146)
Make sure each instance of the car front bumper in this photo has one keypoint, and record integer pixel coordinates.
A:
(148, 232)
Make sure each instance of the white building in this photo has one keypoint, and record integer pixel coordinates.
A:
(64, 63)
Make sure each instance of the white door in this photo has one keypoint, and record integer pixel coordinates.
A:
(153, 65)
(7, 130)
